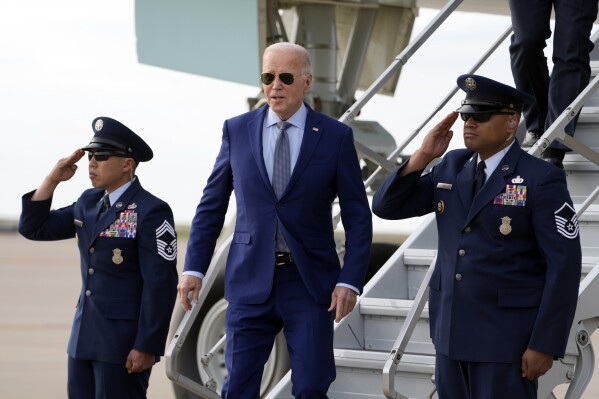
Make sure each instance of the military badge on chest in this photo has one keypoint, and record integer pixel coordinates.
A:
(506, 227)
(117, 258)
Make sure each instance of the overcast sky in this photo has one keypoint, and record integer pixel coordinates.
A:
(67, 61)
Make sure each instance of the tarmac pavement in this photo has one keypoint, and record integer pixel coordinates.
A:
(39, 287)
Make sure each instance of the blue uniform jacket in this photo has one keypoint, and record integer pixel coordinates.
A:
(509, 261)
(128, 269)
(327, 167)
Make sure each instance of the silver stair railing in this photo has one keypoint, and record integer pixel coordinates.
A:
(557, 130)
(440, 106)
(395, 66)
(404, 336)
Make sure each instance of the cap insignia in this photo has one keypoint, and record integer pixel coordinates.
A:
(99, 125)
(470, 83)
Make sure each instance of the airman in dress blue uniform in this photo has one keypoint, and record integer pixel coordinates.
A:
(128, 249)
(505, 285)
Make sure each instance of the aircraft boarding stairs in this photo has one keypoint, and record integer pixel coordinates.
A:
(383, 349)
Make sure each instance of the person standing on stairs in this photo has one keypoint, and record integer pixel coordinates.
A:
(571, 63)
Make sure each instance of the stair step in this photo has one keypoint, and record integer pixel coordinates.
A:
(419, 257)
(359, 371)
(388, 307)
(361, 359)
(589, 114)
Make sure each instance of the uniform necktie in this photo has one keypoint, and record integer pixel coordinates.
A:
(105, 205)
(479, 177)
(280, 174)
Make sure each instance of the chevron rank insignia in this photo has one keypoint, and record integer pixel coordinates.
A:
(566, 222)
(166, 241)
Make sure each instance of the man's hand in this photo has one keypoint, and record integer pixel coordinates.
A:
(138, 361)
(535, 364)
(343, 300)
(62, 171)
(434, 145)
(186, 285)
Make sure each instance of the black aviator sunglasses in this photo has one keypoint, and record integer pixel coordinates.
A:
(104, 155)
(482, 117)
(286, 77)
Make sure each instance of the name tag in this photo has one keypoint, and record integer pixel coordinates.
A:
(77, 223)
(444, 186)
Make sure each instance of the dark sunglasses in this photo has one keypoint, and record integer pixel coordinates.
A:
(482, 117)
(286, 77)
(104, 155)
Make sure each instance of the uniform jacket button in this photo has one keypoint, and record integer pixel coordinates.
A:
(91, 250)
(91, 271)
(88, 293)
(462, 252)
(468, 229)
(458, 277)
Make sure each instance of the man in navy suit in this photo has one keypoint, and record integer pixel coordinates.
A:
(128, 248)
(283, 271)
(505, 285)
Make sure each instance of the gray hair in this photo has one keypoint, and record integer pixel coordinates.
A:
(286, 46)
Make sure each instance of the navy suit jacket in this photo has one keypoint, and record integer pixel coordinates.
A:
(129, 284)
(518, 275)
(327, 167)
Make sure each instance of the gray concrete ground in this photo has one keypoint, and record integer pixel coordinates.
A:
(39, 286)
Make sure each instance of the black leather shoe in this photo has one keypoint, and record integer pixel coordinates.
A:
(530, 139)
(555, 161)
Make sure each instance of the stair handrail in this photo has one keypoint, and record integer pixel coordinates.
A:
(557, 129)
(405, 334)
(399, 61)
(439, 106)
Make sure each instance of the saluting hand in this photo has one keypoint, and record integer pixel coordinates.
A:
(66, 167)
(343, 301)
(434, 145)
(186, 285)
(62, 171)
(437, 140)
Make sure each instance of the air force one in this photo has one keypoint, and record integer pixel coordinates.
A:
(383, 349)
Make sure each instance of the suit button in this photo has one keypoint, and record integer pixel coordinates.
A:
(468, 229)
(88, 293)
(462, 252)
(458, 277)
(91, 271)
(91, 250)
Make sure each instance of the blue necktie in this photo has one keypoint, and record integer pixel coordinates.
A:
(280, 174)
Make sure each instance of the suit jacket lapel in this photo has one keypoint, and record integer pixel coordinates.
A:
(254, 127)
(496, 182)
(465, 181)
(312, 133)
(91, 213)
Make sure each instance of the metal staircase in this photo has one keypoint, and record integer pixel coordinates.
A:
(383, 349)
